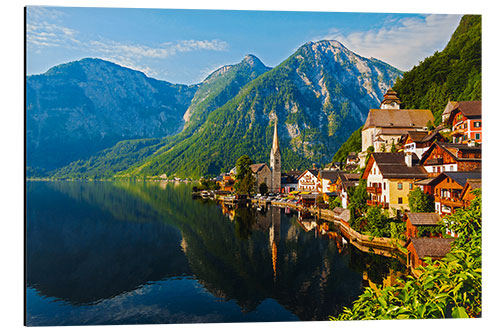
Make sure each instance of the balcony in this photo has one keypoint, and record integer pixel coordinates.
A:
(449, 201)
(374, 189)
(384, 205)
(458, 132)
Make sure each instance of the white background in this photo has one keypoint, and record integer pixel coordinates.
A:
(12, 162)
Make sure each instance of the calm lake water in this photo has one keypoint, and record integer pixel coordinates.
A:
(141, 253)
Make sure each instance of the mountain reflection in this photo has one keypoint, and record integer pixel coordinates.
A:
(87, 242)
(79, 251)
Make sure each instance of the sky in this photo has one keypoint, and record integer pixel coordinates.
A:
(185, 46)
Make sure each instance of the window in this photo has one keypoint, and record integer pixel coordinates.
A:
(411, 186)
(400, 200)
(478, 136)
(400, 186)
(384, 186)
(477, 124)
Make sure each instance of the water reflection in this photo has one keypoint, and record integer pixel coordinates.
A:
(89, 244)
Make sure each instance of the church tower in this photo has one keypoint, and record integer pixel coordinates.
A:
(275, 162)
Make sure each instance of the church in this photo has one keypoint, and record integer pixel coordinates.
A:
(271, 175)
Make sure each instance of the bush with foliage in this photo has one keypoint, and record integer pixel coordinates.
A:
(450, 287)
(263, 188)
(334, 202)
(245, 181)
(420, 202)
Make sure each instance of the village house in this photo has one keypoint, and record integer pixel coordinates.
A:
(352, 161)
(421, 248)
(467, 195)
(385, 126)
(225, 182)
(343, 183)
(389, 179)
(465, 121)
(326, 183)
(448, 187)
(446, 156)
(415, 220)
(308, 181)
(290, 181)
(419, 142)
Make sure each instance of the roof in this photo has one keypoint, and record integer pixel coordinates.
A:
(453, 150)
(276, 143)
(313, 171)
(393, 165)
(460, 177)
(329, 174)
(421, 136)
(342, 213)
(470, 109)
(398, 118)
(257, 167)
(308, 196)
(294, 173)
(474, 183)
(432, 247)
(390, 97)
(425, 181)
(352, 154)
(423, 218)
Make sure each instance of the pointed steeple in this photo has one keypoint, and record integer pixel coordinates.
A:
(276, 143)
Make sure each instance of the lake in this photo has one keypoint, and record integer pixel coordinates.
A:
(100, 253)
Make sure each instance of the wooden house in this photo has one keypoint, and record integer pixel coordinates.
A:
(226, 182)
(342, 185)
(465, 121)
(448, 188)
(326, 183)
(467, 195)
(445, 156)
(415, 220)
(389, 179)
(419, 142)
(421, 248)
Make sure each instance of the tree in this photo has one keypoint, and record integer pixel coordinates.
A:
(393, 148)
(450, 287)
(357, 204)
(334, 202)
(245, 181)
(263, 188)
(420, 202)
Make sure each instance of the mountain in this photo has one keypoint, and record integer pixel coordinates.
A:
(220, 86)
(319, 95)
(452, 74)
(217, 89)
(79, 108)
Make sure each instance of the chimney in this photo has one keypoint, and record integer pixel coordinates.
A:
(408, 159)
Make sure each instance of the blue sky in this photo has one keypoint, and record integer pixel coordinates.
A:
(184, 46)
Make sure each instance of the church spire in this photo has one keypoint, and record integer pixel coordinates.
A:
(276, 144)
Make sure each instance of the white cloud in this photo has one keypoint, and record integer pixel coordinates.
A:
(401, 43)
(44, 30)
